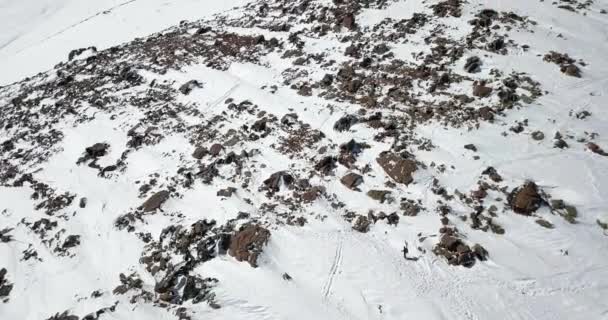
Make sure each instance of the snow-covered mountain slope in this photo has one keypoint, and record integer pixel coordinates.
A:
(307, 159)
(37, 34)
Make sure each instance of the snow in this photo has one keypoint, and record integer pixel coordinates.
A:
(337, 273)
(37, 34)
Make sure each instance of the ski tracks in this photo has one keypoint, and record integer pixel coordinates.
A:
(336, 264)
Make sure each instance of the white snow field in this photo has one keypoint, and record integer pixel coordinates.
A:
(556, 271)
(37, 34)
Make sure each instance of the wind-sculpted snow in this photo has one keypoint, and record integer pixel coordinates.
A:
(304, 159)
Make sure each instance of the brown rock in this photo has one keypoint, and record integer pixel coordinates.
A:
(352, 180)
(482, 91)
(486, 113)
(216, 149)
(526, 199)
(348, 21)
(596, 149)
(396, 167)
(378, 195)
(248, 243)
(571, 70)
(155, 201)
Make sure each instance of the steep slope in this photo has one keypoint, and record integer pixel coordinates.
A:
(316, 159)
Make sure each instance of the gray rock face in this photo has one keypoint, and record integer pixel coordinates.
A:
(155, 201)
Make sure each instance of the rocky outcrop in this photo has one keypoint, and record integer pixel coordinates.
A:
(396, 167)
(247, 244)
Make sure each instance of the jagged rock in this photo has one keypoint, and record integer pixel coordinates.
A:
(493, 174)
(560, 144)
(71, 241)
(5, 286)
(247, 244)
(392, 219)
(361, 224)
(63, 316)
(326, 165)
(278, 179)
(312, 194)
(480, 252)
(289, 119)
(187, 87)
(472, 65)
(344, 123)
(396, 167)
(486, 113)
(457, 252)
(5, 236)
(352, 180)
(155, 201)
(525, 199)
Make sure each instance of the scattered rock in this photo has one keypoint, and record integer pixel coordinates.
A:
(5, 236)
(525, 199)
(538, 135)
(344, 123)
(200, 152)
(457, 252)
(71, 241)
(471, 147)
(361, 224)
(482, 91)
(82, 203)
(247, 244)
(278, 179)
(155, 201)
(493, 174)
(227, 192)
(352, 180)
(326, 165)
(97, 150)
(545, 223)
(379, 195)
(5, 286)
(396, 167)
(187, 87)
(472, 65)
(596, 149)
(63, 316)
(216, 149)
(571, 70)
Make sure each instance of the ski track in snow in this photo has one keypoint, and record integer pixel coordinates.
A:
(76, 24)
(336, 264)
